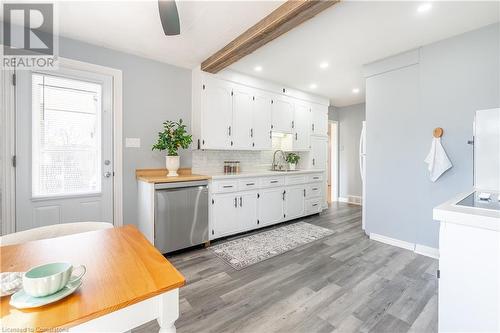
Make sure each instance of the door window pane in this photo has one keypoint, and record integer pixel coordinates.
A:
(66, 151)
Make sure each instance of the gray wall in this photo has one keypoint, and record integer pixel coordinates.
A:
(350, 120)
(152, 93)
(453, 78)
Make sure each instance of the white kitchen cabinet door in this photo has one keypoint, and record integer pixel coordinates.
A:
(241, 135)
(295, 201)
(319, 125)
(319, 153)
(216, 104)
(262, 108)
(301, 125)
(225, 215)
(247, 209)
(271, 206)
(282, 114)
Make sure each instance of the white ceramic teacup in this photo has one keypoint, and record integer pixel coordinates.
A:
(48, 279)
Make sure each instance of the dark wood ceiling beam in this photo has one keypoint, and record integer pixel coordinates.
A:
(283, 19)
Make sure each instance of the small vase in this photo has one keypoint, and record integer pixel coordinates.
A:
(172, 165)
(291, 166)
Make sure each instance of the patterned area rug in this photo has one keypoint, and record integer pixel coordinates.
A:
(246, 251)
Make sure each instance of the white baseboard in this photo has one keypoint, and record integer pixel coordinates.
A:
(352, 199)
(392, 241)
(427, 251)
(417, 248)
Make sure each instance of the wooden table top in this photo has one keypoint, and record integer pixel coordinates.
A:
(160, 176)
(123, 268)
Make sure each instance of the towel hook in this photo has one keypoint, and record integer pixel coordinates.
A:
(438, 132)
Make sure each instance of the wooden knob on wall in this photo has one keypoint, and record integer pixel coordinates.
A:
(438, 132)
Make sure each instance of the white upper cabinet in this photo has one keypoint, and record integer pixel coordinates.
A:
(242, 132)
(216, 114)
(261, 130)
(319, 120)
(301, 125)
(319, 153)
(233, 116)
(282, 114)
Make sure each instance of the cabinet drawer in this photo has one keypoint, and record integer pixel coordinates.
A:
(248, 184)
(313, 206)
(297, 179)
(315, 177)
(313, 191)
(223, 186)
(272, 181)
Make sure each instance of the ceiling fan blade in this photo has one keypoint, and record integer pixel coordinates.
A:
(169, 17)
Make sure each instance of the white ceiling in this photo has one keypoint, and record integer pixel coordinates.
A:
(354, 33)
(346, 35)
(134, 26)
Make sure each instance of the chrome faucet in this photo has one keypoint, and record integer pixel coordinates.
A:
(278, 166)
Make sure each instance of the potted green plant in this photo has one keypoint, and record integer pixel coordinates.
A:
(173, 137)
(292, 160)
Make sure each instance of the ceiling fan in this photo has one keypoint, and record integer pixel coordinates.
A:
(169, 17)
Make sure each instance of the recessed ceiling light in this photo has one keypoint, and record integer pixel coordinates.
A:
(313, 86)
(355, 90)
(323, 65)
(258, 68)
(424, 7)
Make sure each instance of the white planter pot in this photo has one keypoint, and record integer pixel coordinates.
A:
(172, 165)
(291, 166)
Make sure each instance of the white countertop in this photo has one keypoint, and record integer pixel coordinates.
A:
(470, 216)
(261, 173)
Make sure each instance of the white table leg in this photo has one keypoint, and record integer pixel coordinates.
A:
(169, 311)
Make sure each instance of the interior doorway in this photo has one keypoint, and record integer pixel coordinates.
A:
(333, 161)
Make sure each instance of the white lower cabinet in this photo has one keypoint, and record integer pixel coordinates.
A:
(247, 211)
(271, 206)
(233, 213)
(295, 197)
(272, 199)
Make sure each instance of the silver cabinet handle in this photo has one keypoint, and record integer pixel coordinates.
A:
(314, 161)
(274, 181)
(304, 192)
(229, 130)
(227, 186)
(251, 132)
(235, 202)
(241, 201)
(107, 174)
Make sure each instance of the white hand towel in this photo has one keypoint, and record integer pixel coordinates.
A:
(437, 160)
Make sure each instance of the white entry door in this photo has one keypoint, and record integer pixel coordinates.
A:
(64, 148)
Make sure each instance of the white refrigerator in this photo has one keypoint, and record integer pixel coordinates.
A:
(362, 170)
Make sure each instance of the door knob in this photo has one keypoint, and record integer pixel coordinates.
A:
(107, 174)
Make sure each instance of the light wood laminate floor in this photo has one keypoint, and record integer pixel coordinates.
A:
(342, 283)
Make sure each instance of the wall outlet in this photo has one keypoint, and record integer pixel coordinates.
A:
(133, 142)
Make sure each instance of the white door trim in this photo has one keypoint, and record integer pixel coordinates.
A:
(334, 167)
(116, 74)
(8, 172)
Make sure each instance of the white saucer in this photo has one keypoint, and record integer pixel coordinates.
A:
(21, 300)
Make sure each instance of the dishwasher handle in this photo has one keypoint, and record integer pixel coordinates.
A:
(174, 185)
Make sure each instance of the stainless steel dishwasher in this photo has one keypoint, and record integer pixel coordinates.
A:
(181, 215)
